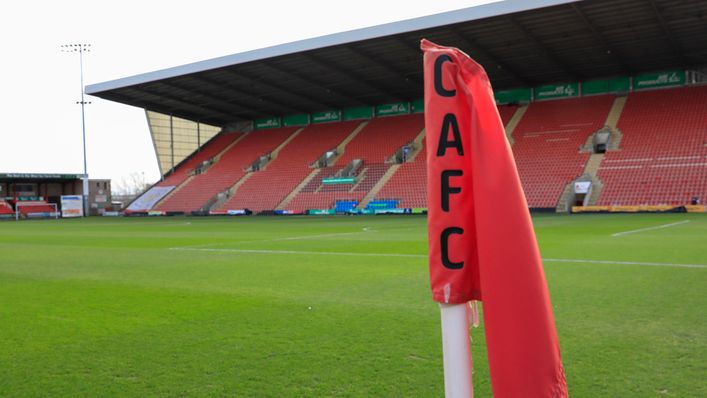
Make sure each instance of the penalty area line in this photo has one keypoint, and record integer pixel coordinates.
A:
(635, 231)
(305, 252)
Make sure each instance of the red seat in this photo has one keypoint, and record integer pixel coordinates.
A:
(226, 172)
(547, 142)
(374, 144)
(663, 154)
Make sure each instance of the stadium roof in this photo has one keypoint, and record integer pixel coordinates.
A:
(521, 43)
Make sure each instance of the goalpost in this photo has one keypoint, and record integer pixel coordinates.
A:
(41, 210)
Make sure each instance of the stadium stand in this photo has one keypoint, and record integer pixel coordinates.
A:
(663, 154)
(547, 142)
(382, 137)
(506, 112)
(5, 208)
(409, 184)
(662, 159)
(34, 206)
(374, 144)
(208, 151)
(225, 172)
(268, 187)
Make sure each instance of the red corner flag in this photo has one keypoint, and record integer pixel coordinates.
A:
(481, 239)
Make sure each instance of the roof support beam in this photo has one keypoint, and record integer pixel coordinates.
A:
(213, 100)
(415, 49)
(600, 38)
(543, 49)
(387, 66)
(238, 90)
(280, 88)
(187, 114)
(181, 103)
(475, 47)
(349, 74)
(347, 96)
(674, 48)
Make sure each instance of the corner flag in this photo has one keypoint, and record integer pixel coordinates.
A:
(481, 239)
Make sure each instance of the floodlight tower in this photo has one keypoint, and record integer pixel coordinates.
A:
(81, 48)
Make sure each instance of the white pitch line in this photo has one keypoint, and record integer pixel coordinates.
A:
(634, 231)
(549, 260)
(257, 251)
(646, 264)
(301, 237)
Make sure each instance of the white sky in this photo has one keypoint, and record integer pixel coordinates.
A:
(40, 130)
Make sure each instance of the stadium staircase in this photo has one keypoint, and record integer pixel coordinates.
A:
(267, 188)
(285, 204)
(663, 156)
(612, 121)
(547, 145)
(511, 116)
(221, 198)
(230, 167)
(593, 163)
(379, 185)
(174, 191)
(5, 208)
(376, 141)
(407, 182)
(208, 154)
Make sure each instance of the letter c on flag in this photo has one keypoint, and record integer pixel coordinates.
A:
(439, 88)
(444, 240)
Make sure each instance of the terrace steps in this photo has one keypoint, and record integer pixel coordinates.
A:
(513, 123)
(418, 146)
(612, 121)
(342, 146)
(297, 189)
(378, 186)
(175, 190)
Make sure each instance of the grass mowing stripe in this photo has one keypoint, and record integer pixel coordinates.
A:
(549, 260)
(635, 231)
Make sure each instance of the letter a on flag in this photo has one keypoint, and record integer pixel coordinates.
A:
(481, 239)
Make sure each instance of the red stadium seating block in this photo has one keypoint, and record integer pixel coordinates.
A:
(663, 154)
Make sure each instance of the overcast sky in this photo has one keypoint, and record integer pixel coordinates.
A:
(40, 130)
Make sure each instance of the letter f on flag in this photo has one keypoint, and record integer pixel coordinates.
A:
(481, 240)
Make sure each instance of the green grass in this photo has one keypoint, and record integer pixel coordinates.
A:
(108, 307)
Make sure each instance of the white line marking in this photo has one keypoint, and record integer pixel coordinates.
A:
(312, 236)
(634, 231)
(549, 260)
(258, 251)
(301, 237)
(567, 260)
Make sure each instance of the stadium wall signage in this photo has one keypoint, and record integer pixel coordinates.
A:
(269, 123)
(620, 84)
(326, 116)
(665, 79)
(557, 91)
(398, 108)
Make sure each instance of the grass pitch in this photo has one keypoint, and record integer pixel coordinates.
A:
(334, 306)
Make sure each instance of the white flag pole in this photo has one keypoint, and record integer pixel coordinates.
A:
(457, 351)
